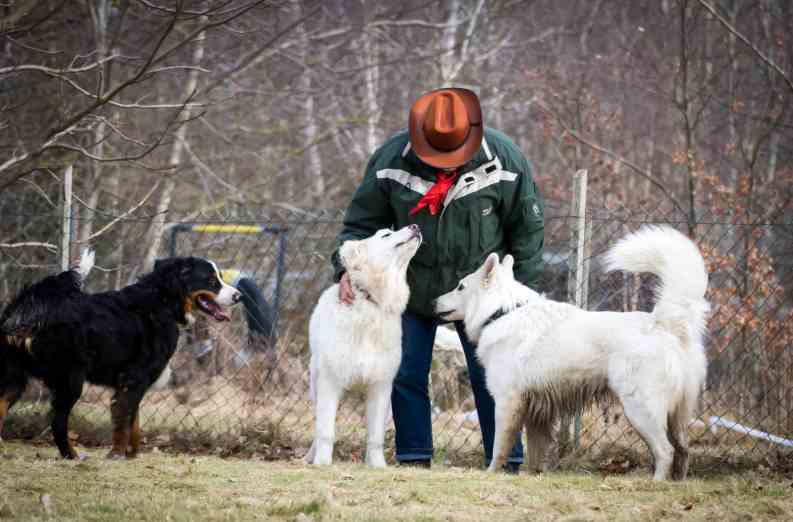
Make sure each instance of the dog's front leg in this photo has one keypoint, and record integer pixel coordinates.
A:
(509, 421)
(377, 402)
(327, 402)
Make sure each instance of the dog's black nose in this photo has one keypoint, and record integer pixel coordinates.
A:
(236, 297)
(414, 228)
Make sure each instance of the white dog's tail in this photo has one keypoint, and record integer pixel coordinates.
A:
(680, 305)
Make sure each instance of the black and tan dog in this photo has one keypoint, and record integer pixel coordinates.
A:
(120, 339)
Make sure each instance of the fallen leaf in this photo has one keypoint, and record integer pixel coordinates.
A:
(46, 502)
(330, 500)
(617, 465)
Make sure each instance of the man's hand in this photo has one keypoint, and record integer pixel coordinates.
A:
(345, 289)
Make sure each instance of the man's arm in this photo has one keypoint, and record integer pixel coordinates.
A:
(524, 225)
(368, 212)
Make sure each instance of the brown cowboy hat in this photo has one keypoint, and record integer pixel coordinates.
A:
(445, 127)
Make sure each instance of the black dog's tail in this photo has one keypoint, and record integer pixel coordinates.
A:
(36, 305)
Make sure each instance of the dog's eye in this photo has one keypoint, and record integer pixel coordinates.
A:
(461, 287)
(387, 234)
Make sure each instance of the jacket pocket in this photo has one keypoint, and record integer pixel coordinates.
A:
(489, 227)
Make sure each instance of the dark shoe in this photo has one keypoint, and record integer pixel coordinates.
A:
(425, 463)
(513, 468)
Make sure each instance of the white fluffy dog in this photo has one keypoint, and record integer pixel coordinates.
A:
(544, 359)
(361, 342)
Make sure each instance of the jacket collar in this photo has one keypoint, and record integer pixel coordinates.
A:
(423, 170)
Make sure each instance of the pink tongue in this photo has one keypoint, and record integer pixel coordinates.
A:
(217, 312)
(220, 315)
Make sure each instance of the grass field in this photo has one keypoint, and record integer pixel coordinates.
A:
(35, 485)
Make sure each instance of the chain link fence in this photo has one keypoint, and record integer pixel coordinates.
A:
(242, 387)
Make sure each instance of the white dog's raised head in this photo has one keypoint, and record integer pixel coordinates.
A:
(378, 265)
(492, 287)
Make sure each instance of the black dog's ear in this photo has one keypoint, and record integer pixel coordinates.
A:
(170, 274)
(164, 264)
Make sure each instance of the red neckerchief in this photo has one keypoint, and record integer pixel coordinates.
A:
(434, 198)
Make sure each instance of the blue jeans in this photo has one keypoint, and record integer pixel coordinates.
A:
(410, 397)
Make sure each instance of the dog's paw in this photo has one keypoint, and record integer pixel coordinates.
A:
(323, 453)
(376, 461)
(73, 454)
(115, 455)
(322, 458)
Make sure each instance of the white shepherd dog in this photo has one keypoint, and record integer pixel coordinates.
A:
(544, 359)
(361, 342)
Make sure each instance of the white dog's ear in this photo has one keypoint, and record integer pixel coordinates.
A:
(491, 263)
(352, 254)
(508, 261)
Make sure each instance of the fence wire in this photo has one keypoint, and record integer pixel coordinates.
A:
(239, 388)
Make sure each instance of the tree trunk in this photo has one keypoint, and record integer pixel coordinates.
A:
(100, 15)
(371, 80)
(312, 158)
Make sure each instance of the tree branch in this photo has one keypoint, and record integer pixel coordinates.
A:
(56, 72)
(644, 173)
(119, 218)
(252, 57)
(48, 246)
(765, 59)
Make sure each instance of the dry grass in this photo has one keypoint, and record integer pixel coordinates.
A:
(37, 486)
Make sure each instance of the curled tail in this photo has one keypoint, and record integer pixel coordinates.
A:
(680, 305)
(36, 305)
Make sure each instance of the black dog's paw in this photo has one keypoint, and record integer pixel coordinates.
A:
(114, 455)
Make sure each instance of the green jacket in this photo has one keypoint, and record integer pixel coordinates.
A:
(493, 207)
